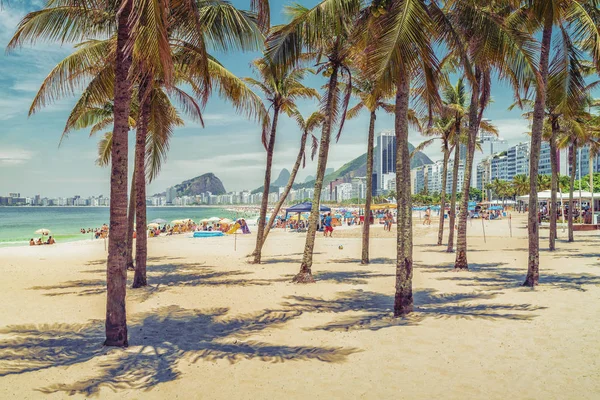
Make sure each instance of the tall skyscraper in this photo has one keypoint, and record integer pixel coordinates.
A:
(384, 160)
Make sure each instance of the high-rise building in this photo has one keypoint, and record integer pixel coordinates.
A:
(384, 159)
(171, 194)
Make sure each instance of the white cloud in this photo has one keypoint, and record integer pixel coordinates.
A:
(15, 156)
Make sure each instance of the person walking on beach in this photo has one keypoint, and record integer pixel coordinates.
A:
(427, 220)
(328, 226)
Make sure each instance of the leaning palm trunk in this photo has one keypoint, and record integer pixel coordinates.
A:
(116, 270)
(369, 193)
(305, 274)
(533, 264)
(443, 199)
(571, 190)
(452, 218)
(130, 223)
(262, 223)
(288, 187)
(141, 241)
(461, 262)
(403, 299)
(554, 185)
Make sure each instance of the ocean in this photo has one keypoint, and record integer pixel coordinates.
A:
(18, 224)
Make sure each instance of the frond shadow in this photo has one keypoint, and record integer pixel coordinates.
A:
(376, 309)
(162, 338)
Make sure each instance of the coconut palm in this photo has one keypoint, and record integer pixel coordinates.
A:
(372, 96)
(326, 31)
(572, 18)
(282, 87)
(482, 40)
(520, 184)
(144, 35)
(306, 126)
(401, 52)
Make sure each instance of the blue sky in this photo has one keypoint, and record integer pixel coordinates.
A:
(31, 162)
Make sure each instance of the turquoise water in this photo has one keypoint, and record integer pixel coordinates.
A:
(18, 224)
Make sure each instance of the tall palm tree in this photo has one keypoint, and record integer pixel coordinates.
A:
(481, 41)
(306, 126)
(324, 30)
(402, 52)
(282, 87)
(372, 96)
(141, 34)
(572, 17)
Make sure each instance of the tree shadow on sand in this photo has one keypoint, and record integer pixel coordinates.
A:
(379, 260)
(163, 338)
(376, 309)
(497, 276)
(160, 278)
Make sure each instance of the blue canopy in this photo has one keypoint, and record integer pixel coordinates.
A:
(305, 207)
(496, 208)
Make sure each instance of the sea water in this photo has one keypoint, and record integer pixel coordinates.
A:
(18, 224)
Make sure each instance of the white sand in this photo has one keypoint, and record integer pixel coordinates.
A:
(212, 326)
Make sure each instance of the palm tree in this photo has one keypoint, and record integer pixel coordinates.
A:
(372, 95)
(306, 126)
(282, 87)
(141, 34)
(520, 184)
(572, 18)
(401, 52)
(324, 30)
(481, 39)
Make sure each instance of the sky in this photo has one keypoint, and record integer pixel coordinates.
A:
(32, 162)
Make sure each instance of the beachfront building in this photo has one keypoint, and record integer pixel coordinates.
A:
(418, 179)
(343, 192)
(518, 160)
(434, 177)
(490, 145)
(499, 167)
(359, 187)
(384, 160)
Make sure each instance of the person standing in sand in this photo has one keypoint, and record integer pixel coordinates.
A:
(327, 223)
(427, 220)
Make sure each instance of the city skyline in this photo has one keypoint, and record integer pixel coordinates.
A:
(31, 160)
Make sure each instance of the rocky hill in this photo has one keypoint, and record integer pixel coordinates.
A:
(200, 184)
(282, 179)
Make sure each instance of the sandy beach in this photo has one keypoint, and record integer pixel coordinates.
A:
(212, 326)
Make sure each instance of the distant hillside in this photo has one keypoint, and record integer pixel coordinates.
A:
(309, 178)
(358, 167)
(200, 184)
(282, 179)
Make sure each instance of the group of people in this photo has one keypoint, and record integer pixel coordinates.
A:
(97, 232)
(41, 242)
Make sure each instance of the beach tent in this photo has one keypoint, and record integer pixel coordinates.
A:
(545, 195)
(304, 207)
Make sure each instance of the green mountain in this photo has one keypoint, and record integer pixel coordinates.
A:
(200, 184)
(358, 167)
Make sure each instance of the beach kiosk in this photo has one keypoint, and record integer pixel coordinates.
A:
(304, 208)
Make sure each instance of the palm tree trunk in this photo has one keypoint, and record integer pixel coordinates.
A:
(403, 299)
(443, 199)
(452, 213)
(369, 193)
(305, 274)
(130, 223)
(554, 184)
(533, 264)
(288, 187)
(461, 262)
(141, 241)
(571, 190)
(267, 186)
(116, 270)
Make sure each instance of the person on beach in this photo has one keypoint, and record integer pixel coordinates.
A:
(50, 240)
(427, 220)
(327, 223)
(31, 242)
(39, 242)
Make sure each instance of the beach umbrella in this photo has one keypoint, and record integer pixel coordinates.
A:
(226, 221)
(204, 220)
(42, 231)
(159, 221)
(153, 225)
(177, 222)
(214, 219)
